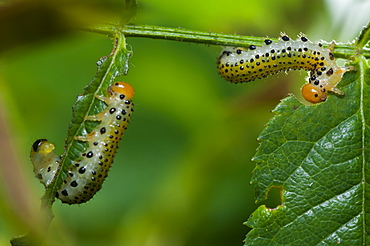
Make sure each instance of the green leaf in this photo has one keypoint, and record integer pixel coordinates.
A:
(364, 36)
(109, 67)
(318, 156)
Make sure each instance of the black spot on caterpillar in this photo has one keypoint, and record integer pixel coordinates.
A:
(85, 176)
(237, 64)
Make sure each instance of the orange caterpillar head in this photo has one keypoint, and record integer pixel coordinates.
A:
(122, 88)
(312, 94)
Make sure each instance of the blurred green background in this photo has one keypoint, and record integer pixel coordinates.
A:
(182, 173)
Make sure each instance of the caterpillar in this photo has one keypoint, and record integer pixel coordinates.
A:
(237, 64)
(45, 162)
(86, 174)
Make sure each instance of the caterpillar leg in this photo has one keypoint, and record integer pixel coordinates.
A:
(318, 93)
(103, 98)
(331, 46)
(96, 117)
(343, 70)
(86, 138)
(336, 91)
(91, 135)
(337, 76)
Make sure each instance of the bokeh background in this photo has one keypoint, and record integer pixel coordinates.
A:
(182, 173)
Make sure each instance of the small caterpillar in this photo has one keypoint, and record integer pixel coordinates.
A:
(237, 64)
(45, 162)
(86, 175)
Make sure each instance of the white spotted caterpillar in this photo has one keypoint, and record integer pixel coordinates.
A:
(86, 175)
(237, 64)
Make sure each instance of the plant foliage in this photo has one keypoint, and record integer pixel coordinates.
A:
(318, 156)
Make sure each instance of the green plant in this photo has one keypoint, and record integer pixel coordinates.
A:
(299, 153)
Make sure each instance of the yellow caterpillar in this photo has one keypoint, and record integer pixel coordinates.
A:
(247, 64)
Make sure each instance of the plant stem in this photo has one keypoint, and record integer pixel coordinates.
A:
(177, 34)
(208, 38)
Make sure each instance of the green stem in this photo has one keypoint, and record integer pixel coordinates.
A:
(179, 34)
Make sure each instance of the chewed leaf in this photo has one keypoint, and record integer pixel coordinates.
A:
(89, 170)
(109, 67)
(317, 156)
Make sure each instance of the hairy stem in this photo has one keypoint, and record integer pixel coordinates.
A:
(184, 35)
